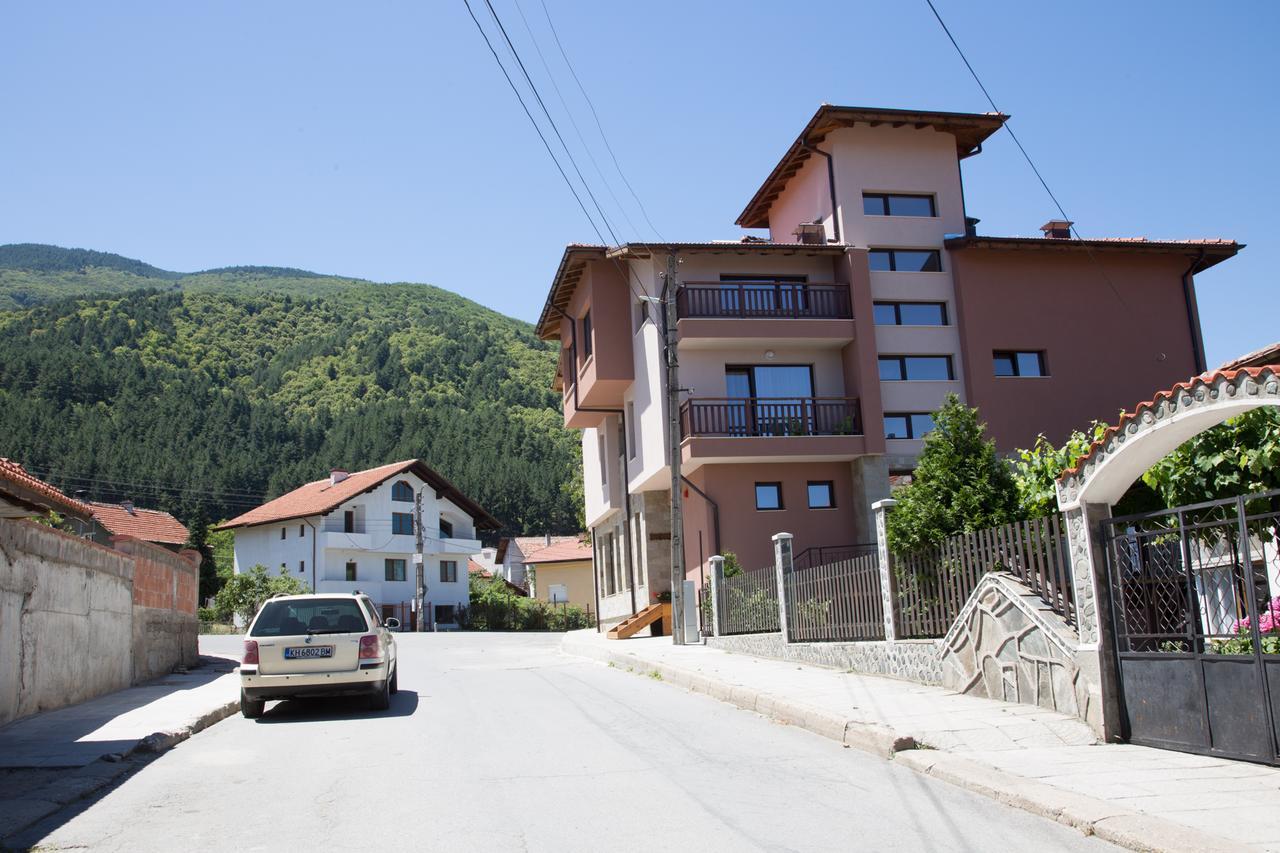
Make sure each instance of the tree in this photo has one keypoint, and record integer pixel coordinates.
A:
(1037, 470)
(1237, 457)
(960, 485)
(243, 594)
(198, 539)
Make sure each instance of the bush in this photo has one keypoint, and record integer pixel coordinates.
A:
(497, 607)
(243, 594)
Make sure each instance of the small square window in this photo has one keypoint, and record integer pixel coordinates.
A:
(768, 496)
(822, 495)
(448, 571)
(402, 523)
(394, 570)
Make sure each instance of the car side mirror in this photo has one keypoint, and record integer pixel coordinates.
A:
(391, 623)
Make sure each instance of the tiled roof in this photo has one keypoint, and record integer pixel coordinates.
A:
(35, 493)
(528, 544)
(474, 568)
(562, 552)
(149, 525)
(322, 496)
(1214, 249)
(1257, 358)
(1203, 380)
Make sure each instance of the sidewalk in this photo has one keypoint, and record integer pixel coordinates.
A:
(52, 759)
(1038, 760)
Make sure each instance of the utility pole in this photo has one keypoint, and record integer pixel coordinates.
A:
(670, 289)
(420, 592)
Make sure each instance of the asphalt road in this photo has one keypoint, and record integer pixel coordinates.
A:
(499, 742)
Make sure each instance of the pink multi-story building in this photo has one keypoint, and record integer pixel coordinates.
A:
(810, 360)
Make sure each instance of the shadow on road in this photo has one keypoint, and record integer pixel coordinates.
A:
(403, 704)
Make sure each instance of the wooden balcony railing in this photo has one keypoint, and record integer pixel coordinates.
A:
(765, 299)
(771, 416)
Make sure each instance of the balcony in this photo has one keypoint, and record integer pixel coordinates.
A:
(757, 300)
(763, 429)
(716, 313)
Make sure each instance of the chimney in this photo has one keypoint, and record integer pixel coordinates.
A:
(336, 476)
(127, 506)
(971, 226)
(1057, 229)
(548, 540)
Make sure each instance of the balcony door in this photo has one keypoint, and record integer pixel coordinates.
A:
(776, 399)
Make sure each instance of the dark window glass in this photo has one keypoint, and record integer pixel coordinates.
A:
(446, 529)
(402, 491)
(1019, 363)
(302, 566)
(911, 205)
(394, 570)
(768, 496)
(907, 424)
(886, 314)
(348, 522)
(285, 618)
(897, 426)
(916, 261)
(351, 571)
(402, 523)
(302, 530)
(586, 333)
(873, 205)
(283, 532)
(448, 571)
(922, 313)
(881, 260)
(915, 367)
(822, 495)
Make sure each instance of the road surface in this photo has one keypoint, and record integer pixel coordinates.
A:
(498, 742)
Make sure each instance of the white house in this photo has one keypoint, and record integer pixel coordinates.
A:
(356, 531)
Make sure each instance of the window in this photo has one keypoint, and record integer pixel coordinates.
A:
(641, 314)
(905, 260)
(631, 430)
(402, 492)
(898, 204)
(302, 567)
(291, 617)
(586, 335)
(1020, 363)
(283, 532)
(444, 614)
(448, 571)
(915, 367)
(558, 593)
(351, 571)
(910, 313)
(907, 424)
(604, 464)
(768, 496)
(394, 570)
(349, 521)
(402, 523)
(822, 494)
(302, 531)
(446, 528)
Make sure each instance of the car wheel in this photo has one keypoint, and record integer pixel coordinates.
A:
(381, 700)
(395, 680)
(251, 708)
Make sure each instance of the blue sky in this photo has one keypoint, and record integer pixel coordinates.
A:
(379, 140)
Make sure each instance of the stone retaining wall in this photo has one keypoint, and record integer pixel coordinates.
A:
(912, 660)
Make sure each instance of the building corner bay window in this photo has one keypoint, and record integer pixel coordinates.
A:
(895, 368)
(904, 260)
(910, 313)
(907, 424)
(1019, 363)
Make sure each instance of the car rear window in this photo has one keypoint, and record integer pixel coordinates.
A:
(285, 618)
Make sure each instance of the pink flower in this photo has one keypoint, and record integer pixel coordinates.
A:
(1268, 620)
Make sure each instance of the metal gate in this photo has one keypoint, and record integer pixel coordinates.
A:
(1195, 594)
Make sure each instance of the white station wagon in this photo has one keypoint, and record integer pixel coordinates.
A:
(318, 645)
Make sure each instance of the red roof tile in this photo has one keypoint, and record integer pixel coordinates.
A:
(149, 525)
(562, 552)
(322, 496)
(1203, 380)
(35, 493)
(474, 568)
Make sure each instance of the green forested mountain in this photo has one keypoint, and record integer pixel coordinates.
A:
(205, 393)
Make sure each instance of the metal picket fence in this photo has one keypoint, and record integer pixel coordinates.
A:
(749, 603)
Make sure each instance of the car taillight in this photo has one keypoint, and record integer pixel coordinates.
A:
(250, 651)
(370, 647)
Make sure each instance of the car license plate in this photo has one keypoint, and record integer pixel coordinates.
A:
(296, 652)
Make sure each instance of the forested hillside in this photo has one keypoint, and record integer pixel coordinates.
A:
(206, 393)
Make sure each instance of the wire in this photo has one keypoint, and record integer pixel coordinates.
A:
(1008, 127)
(599, 126)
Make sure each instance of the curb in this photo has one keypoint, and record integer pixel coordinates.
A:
(158, 742)
(1091, 816)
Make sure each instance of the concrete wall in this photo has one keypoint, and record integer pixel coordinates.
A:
(66, 619)
(912, 660)
(166, 587)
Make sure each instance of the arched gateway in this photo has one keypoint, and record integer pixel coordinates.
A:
(1172, 606)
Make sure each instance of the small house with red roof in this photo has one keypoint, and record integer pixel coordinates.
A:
(25, 496)
(358, 531)
(124, 519)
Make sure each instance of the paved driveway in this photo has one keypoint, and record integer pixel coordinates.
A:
(499, 742)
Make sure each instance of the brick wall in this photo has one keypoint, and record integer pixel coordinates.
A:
(166, 589)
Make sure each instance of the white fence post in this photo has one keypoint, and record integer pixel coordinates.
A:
(717, 578)
(888, 581)
(782, 565)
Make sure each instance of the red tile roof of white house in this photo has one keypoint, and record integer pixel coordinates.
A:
(21, 488)
(322, 496)
(149, 525)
